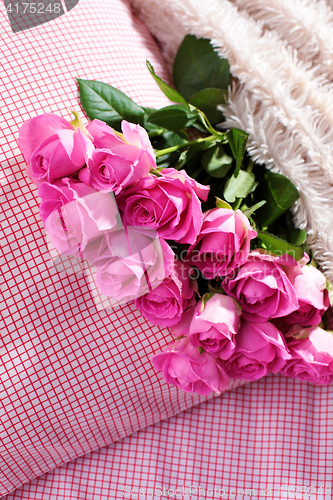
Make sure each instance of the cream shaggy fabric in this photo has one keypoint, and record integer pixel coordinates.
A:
(281, 53)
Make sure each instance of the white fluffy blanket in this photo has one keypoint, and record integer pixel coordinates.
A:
(281, 52)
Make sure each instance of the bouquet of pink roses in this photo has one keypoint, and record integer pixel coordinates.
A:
(191, 229)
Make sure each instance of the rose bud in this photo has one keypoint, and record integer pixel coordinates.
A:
(261, 349)
(262, 287)
(119, 160)
(312, 295)
(74, 225)
(223, 243)
(132, 264)
(164, 306)
(213, 325)
(169, 204)
(183, 365)
(55, 195)
(312, 356)
(52, 148)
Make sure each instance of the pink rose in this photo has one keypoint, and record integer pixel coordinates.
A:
(55, 195)
(261, 349)
(118, 160)
(182, 365)
(212, 326)
(52, 148)
(312, 295)
(312, 356)
(169, 204)
(223, 243)
(74, 225)
(165, 305)
(132, 264)
(262, 287)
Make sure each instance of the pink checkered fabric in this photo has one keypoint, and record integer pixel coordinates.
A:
(269, 439)
(76, 376)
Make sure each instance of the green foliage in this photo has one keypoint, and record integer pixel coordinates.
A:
(198, 67)
(208, 100)
(167, 139)
(173, 117)
(240, 186)
(280, 247)
(104, 102)
(237, 140)
(168, 91)
(249, 211)
(216, 162)
(222, 204)
(193, 154)
(298, 237)
(204, 299)
(279, 193)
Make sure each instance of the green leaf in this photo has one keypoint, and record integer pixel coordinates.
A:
(167, 140)
(280, 194)
(148, 111)
(151, 129)
(173, 117)
(167, 161)
(104, 102)
(216, 162)
(237, 140)
(205, 298)
(197, 66)
(222, 204)
(170, 139)
(156, 172)
(240, 186)
(280, 247)
(207, 100)
(297, 237)
(77, 122)
(251, 210)
(168, 91)
(193, 152)
(199, 126)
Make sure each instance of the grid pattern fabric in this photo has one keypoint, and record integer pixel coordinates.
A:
(75, 375)
(269, 439)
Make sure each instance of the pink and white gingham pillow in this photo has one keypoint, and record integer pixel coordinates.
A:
(76, 376)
